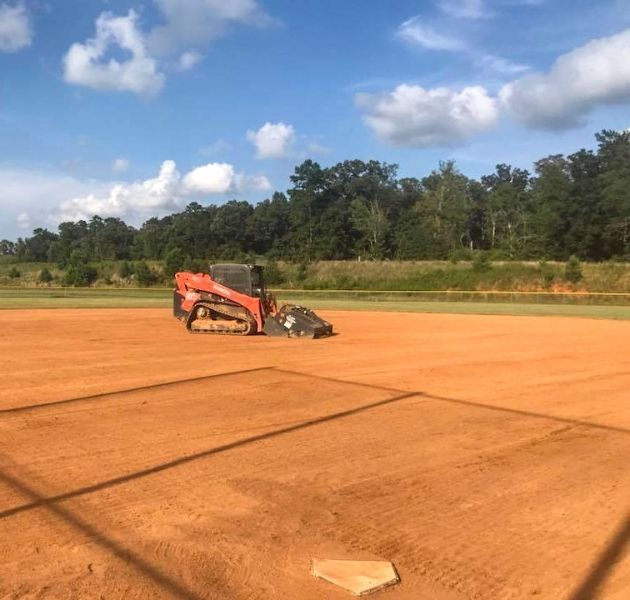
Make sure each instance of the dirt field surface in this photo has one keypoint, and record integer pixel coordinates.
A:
(487, 457)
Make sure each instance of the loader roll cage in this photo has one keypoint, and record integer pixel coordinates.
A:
(245, 279)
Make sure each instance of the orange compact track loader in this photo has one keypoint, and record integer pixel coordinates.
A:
(232, 299)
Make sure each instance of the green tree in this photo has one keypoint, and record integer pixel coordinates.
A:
(14, 273)
(7, 248)
(446, 209)
(614, 183)
(507, 209)
(37, 247)
(370, 220)
(551, 207)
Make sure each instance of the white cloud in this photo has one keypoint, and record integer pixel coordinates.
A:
(596, 73)
(415, 33)
(167, 192)
(197, 22)
(143, 197)
(221, 178)
(37, 194)
(189, 60)
(415, 117)
(15, 27)
(501, 65)
(24, 220)
(121, 165)
(86, 64)
(465, 9)
(273, 140)
(213, 178)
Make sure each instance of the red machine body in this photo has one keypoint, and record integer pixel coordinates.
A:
(232, 299)
(191, 287)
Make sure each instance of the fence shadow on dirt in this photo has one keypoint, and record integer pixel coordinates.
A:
(586, 590)
(473, 404)
(204, 454)
(142, 388)
(590, 587)
(168, 585)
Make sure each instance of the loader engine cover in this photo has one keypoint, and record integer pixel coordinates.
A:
(296, 321)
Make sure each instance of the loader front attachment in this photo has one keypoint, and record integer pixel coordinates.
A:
(296, 321)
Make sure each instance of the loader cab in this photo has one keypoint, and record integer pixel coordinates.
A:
(245, 279)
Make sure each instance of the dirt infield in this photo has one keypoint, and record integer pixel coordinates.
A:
(487, 457)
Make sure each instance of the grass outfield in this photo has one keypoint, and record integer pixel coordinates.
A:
(16, 298)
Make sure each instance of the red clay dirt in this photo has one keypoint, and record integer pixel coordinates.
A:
(486, 457)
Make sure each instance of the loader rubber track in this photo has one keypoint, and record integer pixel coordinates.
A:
(220, 318)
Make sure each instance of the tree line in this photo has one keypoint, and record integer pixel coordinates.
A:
(570, 205)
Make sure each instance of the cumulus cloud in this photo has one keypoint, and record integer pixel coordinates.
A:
(165, 193)
(413, 116)
(465, 9)
(197, 22)
(273, 140)
(16, 32)
(142, 197)
(596, 73)
(87, 64)
(213, 178)
(30, 197)
(121, 165)
(414, 32)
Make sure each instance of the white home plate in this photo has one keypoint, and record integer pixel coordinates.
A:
(357, 576)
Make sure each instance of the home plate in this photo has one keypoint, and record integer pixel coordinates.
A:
(357, 576)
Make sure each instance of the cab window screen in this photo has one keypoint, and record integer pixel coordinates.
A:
(232, 276)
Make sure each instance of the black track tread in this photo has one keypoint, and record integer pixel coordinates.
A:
(235, 312)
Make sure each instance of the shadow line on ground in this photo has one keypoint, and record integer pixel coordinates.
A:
(531, 414)
(203, 454)
(142, 388)
(167, 584)
(473, 404)
(590, 587)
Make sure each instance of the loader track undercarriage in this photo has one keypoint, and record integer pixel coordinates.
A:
(220, 317)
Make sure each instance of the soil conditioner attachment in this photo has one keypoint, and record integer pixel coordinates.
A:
(232, 299)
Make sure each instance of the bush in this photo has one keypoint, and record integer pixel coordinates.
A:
(144, 275)
(302, 273)
(573, 269)
(195, 265)
(547, 273)
(80, 274)
(126, 270)
(14, 273)
(481, 262)
(459, 254)
(174, 261)
(273, 275)
(45, 276)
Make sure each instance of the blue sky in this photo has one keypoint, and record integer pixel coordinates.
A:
(131, 109)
